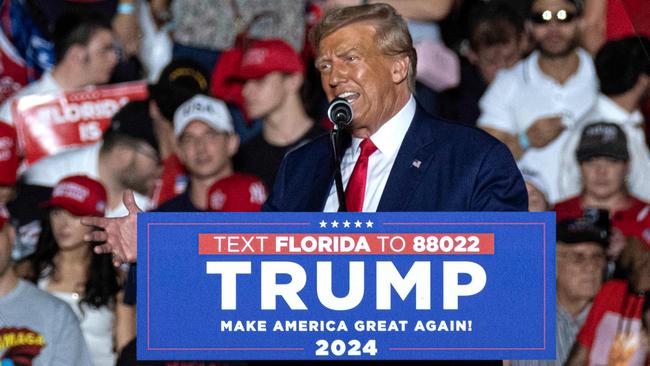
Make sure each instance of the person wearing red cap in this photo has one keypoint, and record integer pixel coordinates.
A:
(65, 265)
(43, 329)
(273, 74)
(8, 162)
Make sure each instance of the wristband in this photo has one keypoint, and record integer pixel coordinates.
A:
(125, 8)
(524, 143)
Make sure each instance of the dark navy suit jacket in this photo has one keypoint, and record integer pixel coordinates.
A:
(440, 166)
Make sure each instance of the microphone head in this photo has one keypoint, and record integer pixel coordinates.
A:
(340, 112)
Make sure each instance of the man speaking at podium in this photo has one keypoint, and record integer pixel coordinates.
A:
(399, 159)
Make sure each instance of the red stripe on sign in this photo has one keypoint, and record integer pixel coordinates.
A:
(447, 243)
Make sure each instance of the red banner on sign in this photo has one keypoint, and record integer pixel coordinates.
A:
(49, 123)
(346, 244)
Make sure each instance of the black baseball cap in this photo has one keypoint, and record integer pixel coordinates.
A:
(593, 227)
(602, 139)
(179, 81)
(133, 120)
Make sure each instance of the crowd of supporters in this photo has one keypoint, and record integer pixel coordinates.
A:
(230, 87)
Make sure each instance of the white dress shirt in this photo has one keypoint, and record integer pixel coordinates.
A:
(388, 140)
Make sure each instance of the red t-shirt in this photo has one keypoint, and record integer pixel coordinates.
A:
(625, 220)
(627, 18)
(613, 327)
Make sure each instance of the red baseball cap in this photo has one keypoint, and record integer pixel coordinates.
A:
(4, 215)
(263, 57)
(79, 195)
(8, 155)
(237, 193)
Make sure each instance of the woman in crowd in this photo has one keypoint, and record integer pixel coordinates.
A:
(66, 266)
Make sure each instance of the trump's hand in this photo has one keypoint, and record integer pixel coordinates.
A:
(118, 234)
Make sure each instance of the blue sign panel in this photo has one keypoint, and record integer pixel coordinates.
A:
(348, 286)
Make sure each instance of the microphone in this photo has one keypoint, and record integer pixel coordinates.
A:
(340, 112)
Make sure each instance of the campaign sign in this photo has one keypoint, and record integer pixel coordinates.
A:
(49, 123)
(323, 286)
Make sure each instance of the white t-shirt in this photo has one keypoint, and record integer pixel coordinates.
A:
(388, 140)
(605, 110)
(80, 161)
(46, 84)
(96, 325)
(522, 94)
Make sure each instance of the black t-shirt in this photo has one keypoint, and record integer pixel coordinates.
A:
(461, 104)
(180, 203)
(262, 159)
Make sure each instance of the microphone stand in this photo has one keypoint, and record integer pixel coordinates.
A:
(336, 138)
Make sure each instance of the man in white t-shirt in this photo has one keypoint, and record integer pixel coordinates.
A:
(623, 69)
(531, 105)
(127, 158)
(85, 55)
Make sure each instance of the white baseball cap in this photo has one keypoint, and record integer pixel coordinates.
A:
(205, 109)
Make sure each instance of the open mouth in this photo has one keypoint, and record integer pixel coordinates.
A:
(351, 97)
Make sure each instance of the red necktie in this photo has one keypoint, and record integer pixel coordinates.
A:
(357, 184)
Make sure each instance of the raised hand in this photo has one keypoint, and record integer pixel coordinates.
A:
(118, 235)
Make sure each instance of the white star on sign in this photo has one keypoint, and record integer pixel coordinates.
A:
(357, 223)
(323, 223)
(369, 223)
(335, 223)
(346, 224)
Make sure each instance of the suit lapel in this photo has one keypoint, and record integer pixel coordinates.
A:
(410, 165)
(324, 175)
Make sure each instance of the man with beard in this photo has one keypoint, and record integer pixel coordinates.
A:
(531, 106)
(127, 158)
(623, 69)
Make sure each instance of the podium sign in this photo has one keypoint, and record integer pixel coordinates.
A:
(346, 286)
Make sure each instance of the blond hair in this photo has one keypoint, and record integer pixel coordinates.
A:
(392, 36)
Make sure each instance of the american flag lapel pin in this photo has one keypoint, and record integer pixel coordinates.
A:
(416, 163)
